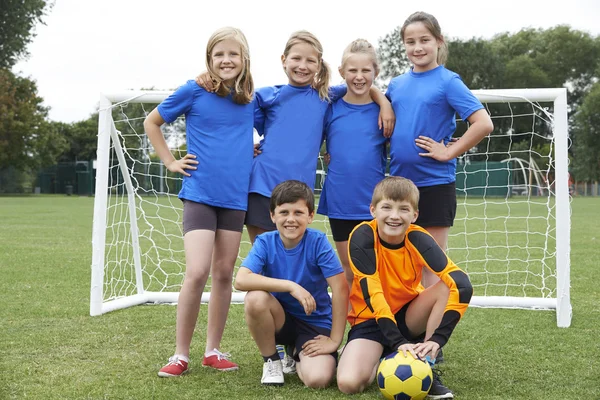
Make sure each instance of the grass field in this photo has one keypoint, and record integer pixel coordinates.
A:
(52, 349)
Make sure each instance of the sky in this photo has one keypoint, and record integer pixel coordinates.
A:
(90, 47)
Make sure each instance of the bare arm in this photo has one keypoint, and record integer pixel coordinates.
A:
(480, 126)
(247, 280)
(339, 299)
(387, 118)
(339, 306)
(152, 125)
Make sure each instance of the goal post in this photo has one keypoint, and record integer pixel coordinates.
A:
(511, 235)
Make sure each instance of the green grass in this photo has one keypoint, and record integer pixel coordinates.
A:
(52, 349)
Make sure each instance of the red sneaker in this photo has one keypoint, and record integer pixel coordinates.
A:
(175, 367)
(220, 361)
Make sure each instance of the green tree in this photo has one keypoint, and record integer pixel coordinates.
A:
(475, 60)
(17, 20)
(392, 57)
(81, 137)
(586, 149)
(27, 140)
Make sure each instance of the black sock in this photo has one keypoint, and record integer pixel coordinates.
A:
(274, 357)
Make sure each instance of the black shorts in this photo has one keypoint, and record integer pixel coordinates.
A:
(370, 330)
(295, 332)
(341, 228)
(258, 213)
(201, 216)
(437, 205)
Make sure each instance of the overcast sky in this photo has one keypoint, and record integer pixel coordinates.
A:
(88, 47)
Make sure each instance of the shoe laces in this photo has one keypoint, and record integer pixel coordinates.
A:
(437, 374)
(272, 368)
(174, 360)
(222, 356)
(288, 361)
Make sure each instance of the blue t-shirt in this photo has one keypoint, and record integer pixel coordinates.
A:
(308, 264)
(290, 119)
(357, 148)
(426, 104)
(219, 133)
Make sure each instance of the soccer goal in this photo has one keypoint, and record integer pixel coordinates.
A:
(511, 233)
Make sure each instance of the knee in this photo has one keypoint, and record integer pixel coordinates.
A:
(222, 272)
(255, 302)
(196, 279)
(316, 379)
(350, 384)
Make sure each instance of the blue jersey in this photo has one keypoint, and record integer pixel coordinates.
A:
(426, 104)
(357, 149)
(219, 133)
(309, 264)
(290, 119)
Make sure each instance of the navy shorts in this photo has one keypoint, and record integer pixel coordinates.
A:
(295, 332)
(201, 216)
(258, 213)
(341, 228)
(437, 205)
(370, 330)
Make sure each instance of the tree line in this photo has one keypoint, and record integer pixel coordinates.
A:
(531, 58)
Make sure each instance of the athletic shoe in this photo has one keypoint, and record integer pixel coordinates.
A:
(288, 365)
(272, 373)
(219, 361)
(288, 362)
(438, 390)
(175, 367)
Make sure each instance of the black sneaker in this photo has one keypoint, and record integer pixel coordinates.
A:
(438, 390)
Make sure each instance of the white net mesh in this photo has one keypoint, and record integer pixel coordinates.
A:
(504, 234)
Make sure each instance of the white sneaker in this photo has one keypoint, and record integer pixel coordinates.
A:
(272, 373)
(289, 364)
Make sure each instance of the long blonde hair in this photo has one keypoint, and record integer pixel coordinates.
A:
(321, 79)
(433, 26)
(361, 46)
(243, 89)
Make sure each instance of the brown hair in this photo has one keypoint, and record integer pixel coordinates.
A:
(290, 192)
(432, 24)
(243, 89)
(396, 188)
(321, 80)
(361, 46)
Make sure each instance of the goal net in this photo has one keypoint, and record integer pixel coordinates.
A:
(511, 233)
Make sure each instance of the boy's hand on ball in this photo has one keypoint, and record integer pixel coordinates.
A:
(427, 348)
(408, 348)
(319, 345)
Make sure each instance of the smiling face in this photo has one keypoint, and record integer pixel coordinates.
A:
(291, 220)
(226, 60)
(301, 64)
(393, 219)
(421, 47)
(359, 72)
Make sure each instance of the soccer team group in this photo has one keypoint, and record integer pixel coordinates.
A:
(391, 279)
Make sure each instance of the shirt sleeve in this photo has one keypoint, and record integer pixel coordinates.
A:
(256, 260)
(326, 258)
(388, 92)
(178, 103)
(460, 286)
(337, 92)
(363, 261)
(461, 99)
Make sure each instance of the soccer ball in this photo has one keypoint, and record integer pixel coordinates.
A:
(403, 378)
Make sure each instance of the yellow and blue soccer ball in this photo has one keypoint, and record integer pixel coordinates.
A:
(404, 378)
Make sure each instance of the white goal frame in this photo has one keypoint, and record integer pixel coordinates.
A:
(107, 134)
